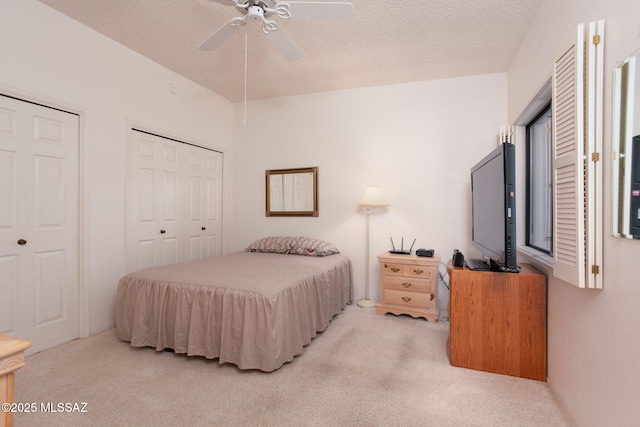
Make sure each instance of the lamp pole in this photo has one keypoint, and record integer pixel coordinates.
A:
(373, 198)
(366, 302)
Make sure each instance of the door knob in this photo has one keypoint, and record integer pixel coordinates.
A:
(22, 242)
(162, 231)
(204, 228)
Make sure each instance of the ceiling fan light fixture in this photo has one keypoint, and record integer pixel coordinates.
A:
(269, 26)
(282, 10)
(255, 13)
(237, 22)
(260, 10)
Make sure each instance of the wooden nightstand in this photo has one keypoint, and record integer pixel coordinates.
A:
(408, 285)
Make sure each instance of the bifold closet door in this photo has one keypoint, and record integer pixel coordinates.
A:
(153, 209)
(174, 193)
(202, 203)
(38, 223)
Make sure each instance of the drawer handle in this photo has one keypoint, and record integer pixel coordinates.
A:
(432, 295)
(406, 284)
(406, 299)
(395, 269)
(417, 271)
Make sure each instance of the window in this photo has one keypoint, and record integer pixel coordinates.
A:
(539, 217)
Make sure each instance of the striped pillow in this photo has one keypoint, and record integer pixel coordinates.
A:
(273, 244)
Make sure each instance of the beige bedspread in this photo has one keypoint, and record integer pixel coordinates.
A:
(256, 310)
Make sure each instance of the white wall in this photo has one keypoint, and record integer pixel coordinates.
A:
(48, 57)
(593, 339)
(418, 141)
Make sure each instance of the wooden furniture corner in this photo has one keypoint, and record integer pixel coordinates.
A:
(11, 359)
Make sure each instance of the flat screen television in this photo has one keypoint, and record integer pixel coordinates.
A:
(493, 210)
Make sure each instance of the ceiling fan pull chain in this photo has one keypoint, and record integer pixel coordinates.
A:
(244, 120)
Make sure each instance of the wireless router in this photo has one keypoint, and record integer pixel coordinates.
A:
(402, 251)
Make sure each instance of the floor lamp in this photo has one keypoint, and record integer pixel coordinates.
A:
(372, 198)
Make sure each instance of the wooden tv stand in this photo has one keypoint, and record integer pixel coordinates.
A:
(498, 321)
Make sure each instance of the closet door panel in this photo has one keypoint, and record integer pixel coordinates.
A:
(39, 224)
(169, 212)
(204, 196)
(9, 290)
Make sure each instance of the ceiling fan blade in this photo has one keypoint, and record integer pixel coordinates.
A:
(285, 45)
(321, 11)
(220, 36)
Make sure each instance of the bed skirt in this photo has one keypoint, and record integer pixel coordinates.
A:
(254, 310)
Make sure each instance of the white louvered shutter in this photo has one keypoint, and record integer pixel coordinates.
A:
(568, 195)
(577, 117)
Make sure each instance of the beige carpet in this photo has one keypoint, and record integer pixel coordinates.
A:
(364, 370)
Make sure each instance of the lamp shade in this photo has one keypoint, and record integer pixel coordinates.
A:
(374, 196)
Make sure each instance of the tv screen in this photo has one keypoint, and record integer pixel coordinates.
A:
(493, 209)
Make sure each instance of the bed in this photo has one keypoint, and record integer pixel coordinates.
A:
(256, 309)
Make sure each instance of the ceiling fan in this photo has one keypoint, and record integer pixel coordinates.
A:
(261, 10)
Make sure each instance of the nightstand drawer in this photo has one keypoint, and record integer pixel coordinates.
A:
(408, 299)
(418, 271)
(394, 269)
(391, 269)
(410, 284)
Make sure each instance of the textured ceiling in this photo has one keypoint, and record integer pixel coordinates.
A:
(387, 42)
